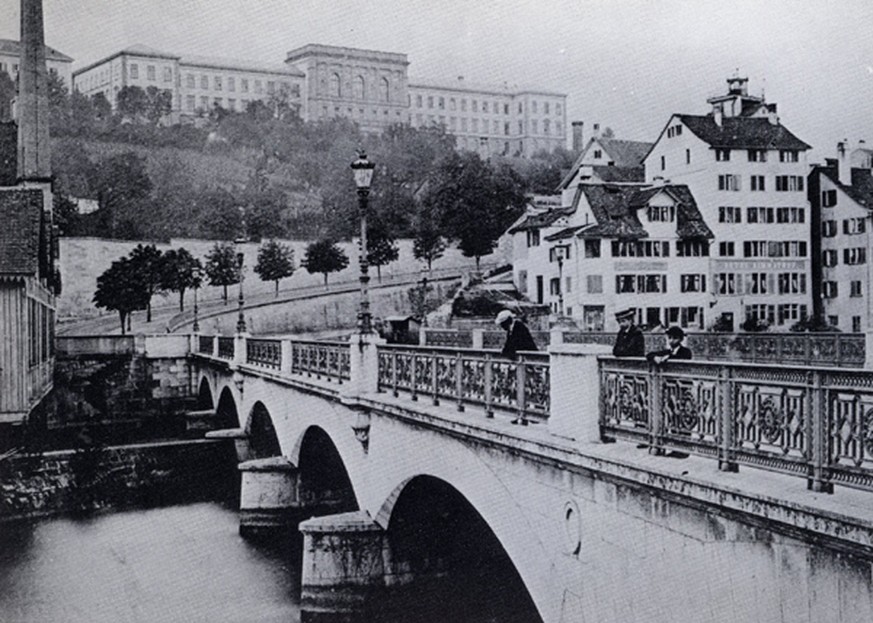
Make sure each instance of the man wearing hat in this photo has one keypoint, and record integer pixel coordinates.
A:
(674, 350)
(517, 335)
(630, 341)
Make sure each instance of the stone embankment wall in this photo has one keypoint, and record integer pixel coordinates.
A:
(115, 477)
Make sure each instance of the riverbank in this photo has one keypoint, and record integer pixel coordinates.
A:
(115, 477)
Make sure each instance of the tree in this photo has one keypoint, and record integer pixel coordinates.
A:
(325, 257)
(222, 266)
(476, 201)
(428, 243)
(123, 186)
(7, 94)
(159, 103)
(275, 262)
(147, 262)
(180, 271)
(381, 248)
(132, 102)
(119, 288)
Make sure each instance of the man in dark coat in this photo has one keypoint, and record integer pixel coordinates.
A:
(630, 341)
(518, 336)
(674, 350)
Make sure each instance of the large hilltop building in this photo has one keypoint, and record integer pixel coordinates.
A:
(57, 62)
(323, 81)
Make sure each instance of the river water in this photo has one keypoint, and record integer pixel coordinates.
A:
(182, 564)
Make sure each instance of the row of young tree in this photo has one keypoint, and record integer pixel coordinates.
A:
(131, 282)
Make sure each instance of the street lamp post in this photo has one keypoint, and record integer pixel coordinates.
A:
(423, 298)
(363, 172)
(240, 258)
(559, 254)
(196, 278)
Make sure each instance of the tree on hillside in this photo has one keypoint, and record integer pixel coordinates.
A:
(120, 289)
(179, 272)
(147, 262)
(159, 103)
(123, 187)
(428, 243)
(476, 201)
(219, 215)
(275, 262)
(58, 100)
(222, 267)
(381, 247)
(7, 94)
(324, 257)
(131, 102)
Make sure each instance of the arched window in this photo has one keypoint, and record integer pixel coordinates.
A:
(359, 88)
(383, 90)
(335, 90)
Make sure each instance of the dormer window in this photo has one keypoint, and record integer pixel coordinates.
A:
(757, 155)
(722, 155)
(661, 214)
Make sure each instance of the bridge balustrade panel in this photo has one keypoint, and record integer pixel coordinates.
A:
(205, 344)
(449, 337)
(330, 360)
(519, 386)
(816, 423)
(264, 352)
(225, 347)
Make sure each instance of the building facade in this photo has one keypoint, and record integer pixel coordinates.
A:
(491, 120)
(369, 87)
(747, 173)
(57, 62)
(198, 84)
(841, 205)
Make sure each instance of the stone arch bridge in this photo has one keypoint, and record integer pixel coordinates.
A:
(407, 466)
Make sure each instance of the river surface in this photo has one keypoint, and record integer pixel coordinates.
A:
(176, 564)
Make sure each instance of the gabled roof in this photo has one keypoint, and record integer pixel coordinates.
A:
(616, 209)
(742, 133)
(861, 190)
(21, 216)
(625, 155)
(540, 220)
(13, 47)
(138, 49)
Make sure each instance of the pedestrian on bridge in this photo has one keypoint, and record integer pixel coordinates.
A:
(675, 349)
(630, 341)
(518, 336)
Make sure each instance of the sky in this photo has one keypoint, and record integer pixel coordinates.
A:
(626, 64)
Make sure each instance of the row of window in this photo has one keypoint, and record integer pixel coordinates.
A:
(41, 325)
(439, 102)
(851, 227)
(151, 73)
(495, 127)
(759, 155)
(778, 314)
(758, 214)
(830, 289)
(851, 257)
(359, 88)
(834, 321)
(784, 183)
(760, 283)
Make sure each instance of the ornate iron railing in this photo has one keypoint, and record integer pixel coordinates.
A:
(205, 344)
(330, 360)
(448, 338)
(517, 386)
(262, 352)
(816, 423)
(225, 347)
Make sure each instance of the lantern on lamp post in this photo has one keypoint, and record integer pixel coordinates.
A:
(363, 172)
(560, 253)
(195, 278)
(240, 262)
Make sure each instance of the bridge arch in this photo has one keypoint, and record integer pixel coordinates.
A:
(459, 563)
(263, 439)
(324, 476)
(226, 413)
(204, 395)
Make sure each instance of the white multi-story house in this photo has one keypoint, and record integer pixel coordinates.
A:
(747, 173)
(198, 84)
(55, 61)
(841, 204)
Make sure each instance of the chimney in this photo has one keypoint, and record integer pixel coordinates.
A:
(595, 131)
(717, 114)
(34, 156)
(772, 117)
(578, 138)
(844, 171)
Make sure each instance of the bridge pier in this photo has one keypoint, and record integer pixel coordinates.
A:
(343, 568)
(269, 496)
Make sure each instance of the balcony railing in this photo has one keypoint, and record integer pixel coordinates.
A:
(330, 360)
(265, 353)
(517, 386)
(816, 423)
(225, 347)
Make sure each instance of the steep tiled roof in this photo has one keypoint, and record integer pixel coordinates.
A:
(742, 133)
(11, 46)
(8, 153)
(625, 153)
(626, 157)
(616, 207)
(568, 232)
(543, 219)
(619, 175)
(20, 214)
(861, 190)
